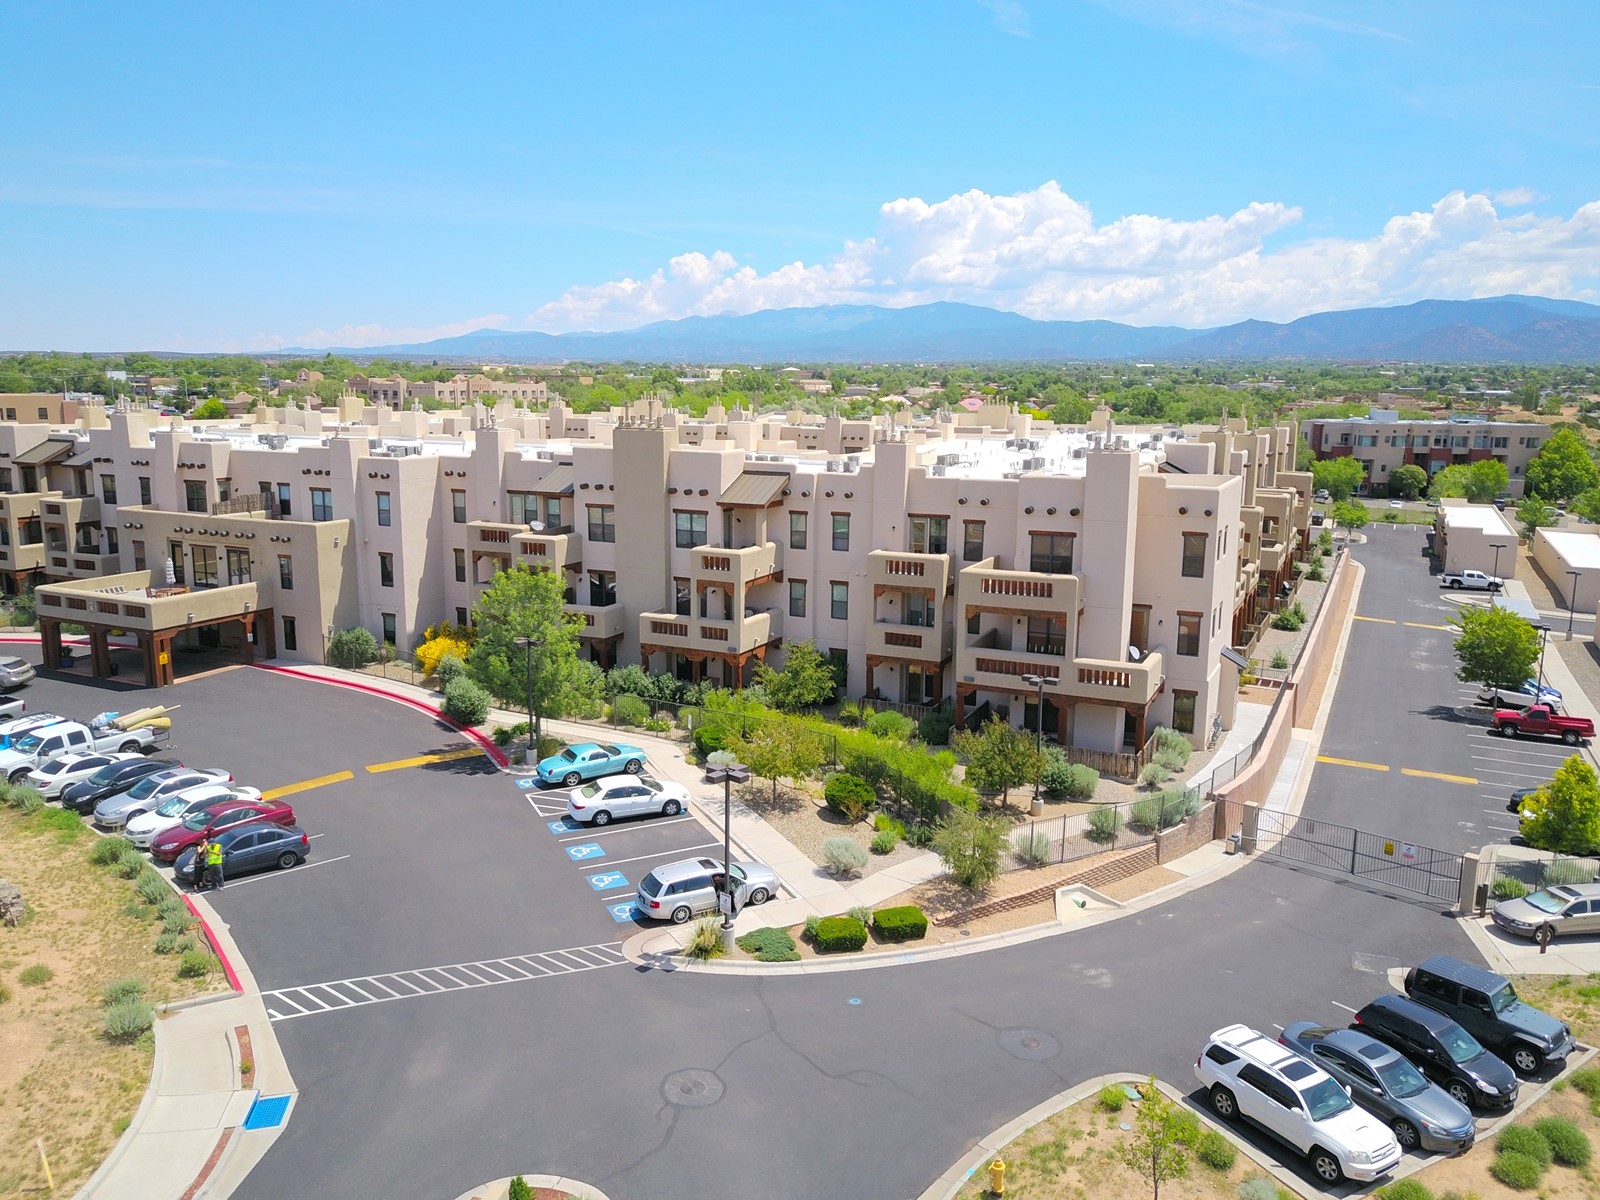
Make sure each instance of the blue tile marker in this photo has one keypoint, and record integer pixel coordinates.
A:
(562, 826)
(267, 1112)
(621, 913)
(525, 784)
(586, 851)
(607, 880)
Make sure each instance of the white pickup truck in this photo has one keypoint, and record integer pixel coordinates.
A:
(1480, 580)
(131, 733)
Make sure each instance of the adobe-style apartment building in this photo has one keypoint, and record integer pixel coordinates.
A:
(939, 559)
(459, 390)
(1382, 442)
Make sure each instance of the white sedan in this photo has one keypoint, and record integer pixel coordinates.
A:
(600, 801)
(142, 830)
(52, 777)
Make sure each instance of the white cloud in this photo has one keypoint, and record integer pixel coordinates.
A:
(1517, 197)
(1041, 253)
(1248, 25)
(1010, 17)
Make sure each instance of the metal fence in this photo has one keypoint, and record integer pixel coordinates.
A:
(1382, 858)
(1107, 827)
(1534, 873)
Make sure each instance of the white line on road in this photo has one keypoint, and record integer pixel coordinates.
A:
(1346, 1007)
(589, 864)
(291, 871)
(584, 834)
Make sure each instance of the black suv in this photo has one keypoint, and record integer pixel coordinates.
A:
(1486, 1006)
(81, 797)
(1447, 1053)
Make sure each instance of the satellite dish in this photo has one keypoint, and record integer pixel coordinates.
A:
(1133, 654)
(536, 526)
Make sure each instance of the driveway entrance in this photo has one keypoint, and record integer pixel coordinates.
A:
(1381, 858)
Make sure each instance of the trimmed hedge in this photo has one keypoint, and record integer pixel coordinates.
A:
(840, 934)
(903, 923)
(465, 702)
(1516, 1170)
(769, 945)
(848, 795)
(1523, 1139)
(1569, 1145)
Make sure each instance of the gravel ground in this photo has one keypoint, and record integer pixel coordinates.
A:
(800, 816)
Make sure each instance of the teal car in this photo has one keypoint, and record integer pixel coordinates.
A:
(589, 760)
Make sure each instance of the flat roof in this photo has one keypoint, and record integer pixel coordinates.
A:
(1485, 518)
(1580, 550)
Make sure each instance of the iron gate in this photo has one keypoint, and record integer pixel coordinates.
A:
(1386, 860)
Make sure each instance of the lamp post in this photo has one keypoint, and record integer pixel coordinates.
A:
(1036, 809)
(727, 775)
(528, 644)
(1572, 600)
(1496, 547)
(1544, 640)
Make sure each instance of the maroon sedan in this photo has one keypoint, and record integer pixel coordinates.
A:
(224, 814)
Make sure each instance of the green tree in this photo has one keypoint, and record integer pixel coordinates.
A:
(779, 750)
(1158, 1147)
(209, 410)
(1407, 482)
(1350, 514)
(998, 757)
(1533, 514)
(1339, 477)
(1487, 478)
(1564, 814)
(1587, 506)
(524, 603)
(1495, 647)
(1453, 481)
(1304, 455)
(1562, 469)
(805, 681)
(970, 845)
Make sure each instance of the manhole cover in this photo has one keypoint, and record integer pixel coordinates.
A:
(693, 1088)
(1032, 1045)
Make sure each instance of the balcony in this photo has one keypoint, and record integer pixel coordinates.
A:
(599, 622)
(1115, 682)
(70, 510)
(708, 635)
(747, 566)
(125, 602)
(553, 550)
(983, 588)
(1273, 556)
(908, 643)
(888, 570)
(83, 563)
(22, 558)
(494, 533)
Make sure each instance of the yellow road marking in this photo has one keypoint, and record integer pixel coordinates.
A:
(422, 760)
(306, 785)
(1352, 762)
(1375, 620)
(1438, 775)
(1420, 625)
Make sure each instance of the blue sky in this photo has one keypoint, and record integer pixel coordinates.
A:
(214, 177)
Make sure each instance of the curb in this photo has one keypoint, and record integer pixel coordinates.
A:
(132, 1133)
(216, 947)
(585, 1190)
(195, 1001)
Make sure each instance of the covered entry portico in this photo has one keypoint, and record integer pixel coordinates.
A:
(156, 617)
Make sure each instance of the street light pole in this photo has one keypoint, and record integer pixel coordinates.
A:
(727, 775)
(528, 643)
(1572, 600)
(1496, 547)
(1036, 809)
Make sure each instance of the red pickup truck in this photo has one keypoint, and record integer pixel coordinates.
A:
(1538, 721)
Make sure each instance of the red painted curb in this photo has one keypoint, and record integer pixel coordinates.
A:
(216, 947)
(485, 743)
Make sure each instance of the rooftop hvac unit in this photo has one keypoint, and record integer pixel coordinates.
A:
(1079, 452)
(836, 465)
(545, 455)
(936, 469)
(1033, 464)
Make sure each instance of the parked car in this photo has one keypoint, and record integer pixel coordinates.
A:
(19, 726)
(1246, 1074)
(14, 672)
(589, 760)
(53, 777)
(601, 801)
(247, 848)
(1386, 1083)
(1447, 1053)
(1397, 504)
(1479, 580)
(142, 830)
(1537, 720)
(1487, 1006)
(1517, 797)
(1567, 909)
(38, 746)
(81, 797)
(1531, 692)
(677, 891)
(1322, 496)
(208, 821)
(117, 809)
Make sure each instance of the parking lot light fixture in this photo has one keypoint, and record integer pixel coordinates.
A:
(528, 644)
(1036, 809)
(1496, 547)
(727, 775)
(1572, 600)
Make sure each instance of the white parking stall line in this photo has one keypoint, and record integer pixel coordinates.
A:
(415, 990)
(587, 832)
(311, 837)
(1502, 829)
(362, 993)
(501, 964)
(1540, 777)
(589, 863)
(266, 875)
(1346, 1007)
(540, 809)
(432, 983)
(291, 1003)
(321, 1007)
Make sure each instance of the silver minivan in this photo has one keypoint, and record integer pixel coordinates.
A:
(677, 891)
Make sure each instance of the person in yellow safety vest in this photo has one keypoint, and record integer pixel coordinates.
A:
(214, 864)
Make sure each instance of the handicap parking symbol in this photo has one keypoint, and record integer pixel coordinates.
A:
(525, 784)
(565, 825)
(622, 912)
(587, 850)
(607, 880)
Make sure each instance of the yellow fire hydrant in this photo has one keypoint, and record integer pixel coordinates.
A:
(997, 1178)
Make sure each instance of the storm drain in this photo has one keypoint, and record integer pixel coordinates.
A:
(692, 1088)
(1030, 1045)
(267, 1112)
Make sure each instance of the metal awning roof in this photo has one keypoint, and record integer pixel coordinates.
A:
(80, 460)
(47, 451)
(1524, 609)
(557, 483)
(754, 489)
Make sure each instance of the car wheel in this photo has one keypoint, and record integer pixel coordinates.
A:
(633, 766)
(671, 808)
(129, 747)
(681, 914)
(1509, 731)
(572, 779)
(1406, 1134)
(1570, 737)
(1326, 1166)
(19, 776)
(1459, 1092)
(760, 896)
(1525, 1059)
(1456, 583)
(601, 818)
(1223, 1103)
(287, 859)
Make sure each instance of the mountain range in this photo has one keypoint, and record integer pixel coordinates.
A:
(1524, 329)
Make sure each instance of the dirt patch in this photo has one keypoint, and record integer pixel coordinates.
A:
(1469, 1174)
(799, 814)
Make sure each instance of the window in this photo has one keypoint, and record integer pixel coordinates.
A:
(283, 500)
(286, 572)
(175, 557)
(930, 535)
(920, 610)
(522, 508)
(144, 489)
(972, 541)
(552, 512)
(840, 609)
(238, 565)
(797, 597)
(1183, 711)
(841, 531)
(1051, 553)
(44, 414)
(461, 617)
(383, 508)
(388, 629)
(1047, 635)
(205, 566)
(797, 530)
(5, 479)
(138, 556)
(458, 506)
(602, 523)
(386, 570)
(1189, 634)
(322, 504)
(680, 596)
(691, 527)
(1194, 556)
(289, 642)
(194, 494)
(108, 488)
(461, 566)
(602, 588)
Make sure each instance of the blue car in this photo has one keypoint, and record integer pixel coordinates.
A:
(589, 760)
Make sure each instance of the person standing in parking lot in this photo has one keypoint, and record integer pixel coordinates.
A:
(197, 870)
(214, 864)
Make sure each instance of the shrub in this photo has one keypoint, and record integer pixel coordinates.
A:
(151, 887)
(167, 942)
(918, 834)
(1516, 1170)
(1216, 1151)
(1105, 823)
(5, 993)
(843, 856)
(519, 1189)
(1258, 1187)
(1033, 848)
(35, 975)
(1153, 774)
(1280, 660)
(1315, 572)
(1112, 1098)
(882, 821)
(1182, 1124)
(970, 846)
(1523, 1139)
(27, 799)
(196, 963)
(934, 728)
(1566, 870)
(705, 942)
(884, 841)
(1168, 738)
(1508, 888)
(848, 795)
(860, 912)
(903, 923)
(127, 1019)
(890, 724)
(131, 864)
(449, 670)
(108, 850)
(661, 724)
(352, 648)
(840, 934)
(709, 738)
(630, 711)
(1568, 1144)
(1053, 775)
(174, 916)
(1404, 1189)
(128, 988)
(1587, 1081)
(812, 921)
(1170, 759)
(465, 702)
(769, 945)
(1161, 811)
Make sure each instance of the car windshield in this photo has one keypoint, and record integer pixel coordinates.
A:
(28, 745)
(1325, 1099)
(1546, 901)
(1460, 1045)
(1504, 998)
(198, 821)
(54, 767)
(174, 807)
(611, 751)
(1401, 1079)
(106, 773)
(737, 873)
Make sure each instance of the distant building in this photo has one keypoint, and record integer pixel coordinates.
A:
(1382, 441)
(48, 408)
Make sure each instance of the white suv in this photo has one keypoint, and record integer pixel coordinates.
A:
(1248, 1074)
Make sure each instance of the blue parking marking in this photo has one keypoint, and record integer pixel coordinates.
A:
(585, 851)
(607, 880)
(525, 784)
(565, 825)
(622, 912)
